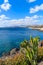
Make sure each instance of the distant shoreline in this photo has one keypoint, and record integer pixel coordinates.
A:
(40, 28)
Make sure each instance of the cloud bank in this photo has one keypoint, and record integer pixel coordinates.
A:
(7, 22)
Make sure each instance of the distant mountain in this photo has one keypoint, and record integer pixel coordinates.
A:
(12, 28)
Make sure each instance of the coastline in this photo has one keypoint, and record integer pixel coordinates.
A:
(10, 54)
(36, 28)
(16, 51)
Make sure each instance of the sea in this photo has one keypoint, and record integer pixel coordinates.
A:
(12, 37)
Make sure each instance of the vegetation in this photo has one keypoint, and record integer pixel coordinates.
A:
(18, 59)
(28, 54)
(31, 50)
(40, 53)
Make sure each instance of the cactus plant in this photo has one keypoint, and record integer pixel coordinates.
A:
(31, 49)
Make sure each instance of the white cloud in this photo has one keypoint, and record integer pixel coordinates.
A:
(36, 8)
(5, 1)
(35, 16)
(7, 22)
(5, 6)
(3, 17)
(31, 1)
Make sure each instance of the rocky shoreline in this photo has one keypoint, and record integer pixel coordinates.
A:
(37, 27)
(3, 58)
(10, 54)
(40, 29)
(15, 51)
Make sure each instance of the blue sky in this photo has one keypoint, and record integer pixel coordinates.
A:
(21, 12)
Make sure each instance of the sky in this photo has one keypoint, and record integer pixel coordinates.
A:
(21, 12)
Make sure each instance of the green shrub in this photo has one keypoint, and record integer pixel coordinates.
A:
(30, 49)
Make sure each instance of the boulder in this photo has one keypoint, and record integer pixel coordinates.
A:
(14, 51)
(41, 63)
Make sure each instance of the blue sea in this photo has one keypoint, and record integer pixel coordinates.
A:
(12, 37)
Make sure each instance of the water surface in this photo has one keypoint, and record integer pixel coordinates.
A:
(12, 37)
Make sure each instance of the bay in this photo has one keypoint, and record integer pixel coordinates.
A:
(12, 37)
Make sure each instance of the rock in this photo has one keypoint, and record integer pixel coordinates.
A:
(41, 63)
(5, 53)
(14, 51)
(40, 44)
